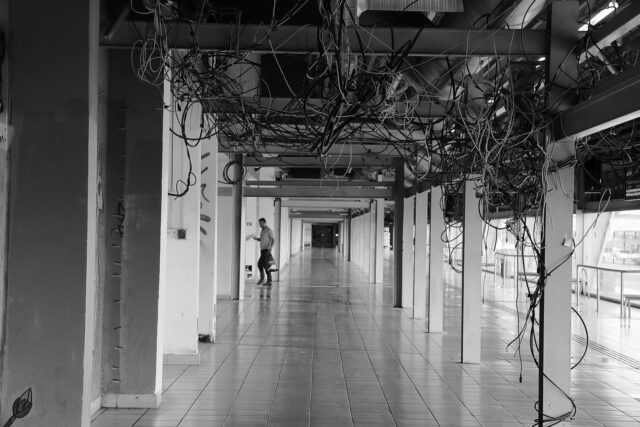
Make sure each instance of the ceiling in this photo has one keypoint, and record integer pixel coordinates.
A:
(335, 90)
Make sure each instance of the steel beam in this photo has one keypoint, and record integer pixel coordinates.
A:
(373, 40)
(425, 109)
(398, 217)
(329, 193)
(327, 183)
(332, 161)
(335, 215)
(625, 20)
(344, 150)
(617, 101)
(324, 204)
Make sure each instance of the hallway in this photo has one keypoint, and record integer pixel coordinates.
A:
(325, 348)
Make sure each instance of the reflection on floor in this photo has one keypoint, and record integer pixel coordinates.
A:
(324, 348)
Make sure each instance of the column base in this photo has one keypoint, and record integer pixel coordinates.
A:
(113, 400)
(182, 359)
(95, 405)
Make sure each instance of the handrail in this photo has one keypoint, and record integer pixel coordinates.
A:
(598, 269)
(616, 270)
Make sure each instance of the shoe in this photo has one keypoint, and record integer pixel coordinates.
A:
(260, 282)
(269, 283)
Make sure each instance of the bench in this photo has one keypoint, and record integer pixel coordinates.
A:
(627, 303)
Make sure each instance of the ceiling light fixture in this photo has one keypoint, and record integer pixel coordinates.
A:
(613, 5)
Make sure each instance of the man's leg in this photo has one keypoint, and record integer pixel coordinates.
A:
(261, 267)
(268, 256)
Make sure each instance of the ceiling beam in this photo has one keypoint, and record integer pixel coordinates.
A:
(326, 193)
(346, 150)
(614, 102)
(319, 183)
(328, 162)
(428, 108)
(625, 20)
(375, 40)
(338, 215)
(324, 204)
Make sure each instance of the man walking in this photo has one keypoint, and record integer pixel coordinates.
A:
(266, 240)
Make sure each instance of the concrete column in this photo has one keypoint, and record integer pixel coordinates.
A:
(408, 251)
(277, 232)
(183, 245)
(136, 184)
(373, 240)
(471, 275)
(556, 310)
(371, 233)
(398, 234)
(283, 255)
(51, 270)
(436, 280)
(237, 227)
(379, 274)
(208, 235)
(347, 237)
(421, 256)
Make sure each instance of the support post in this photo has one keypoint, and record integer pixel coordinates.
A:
(471, 275)
(408, 251)
(237, 236)
(277, 232)
(555, 322)
(350, 235)
(208, 238)
(183, 246)
(555, 305)
(436, 261)
(52, 235)
(420, 257)
(379, 274)
(136, 187)
(373, 250)
(397, 232)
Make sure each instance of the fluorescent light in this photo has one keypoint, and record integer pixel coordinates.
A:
(613, 5)
(542, 59)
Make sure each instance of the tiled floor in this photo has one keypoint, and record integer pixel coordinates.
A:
(325, 348)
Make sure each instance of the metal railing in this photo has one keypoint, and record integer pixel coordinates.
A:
(580, 285)
(501, 256)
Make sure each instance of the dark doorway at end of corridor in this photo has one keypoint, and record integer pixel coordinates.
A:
(324, 235)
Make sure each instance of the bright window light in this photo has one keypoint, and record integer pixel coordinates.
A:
(613, 5)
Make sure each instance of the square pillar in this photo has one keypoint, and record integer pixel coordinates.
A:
(53, 203)
(471, 275)
(136, 184)
(237, 229)
(398, 235)
(436, 262)
(208, 235)
(183, 244)
(379, 273)
(555, 338)
(408, 251)
(371, 233)
(421, 256)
